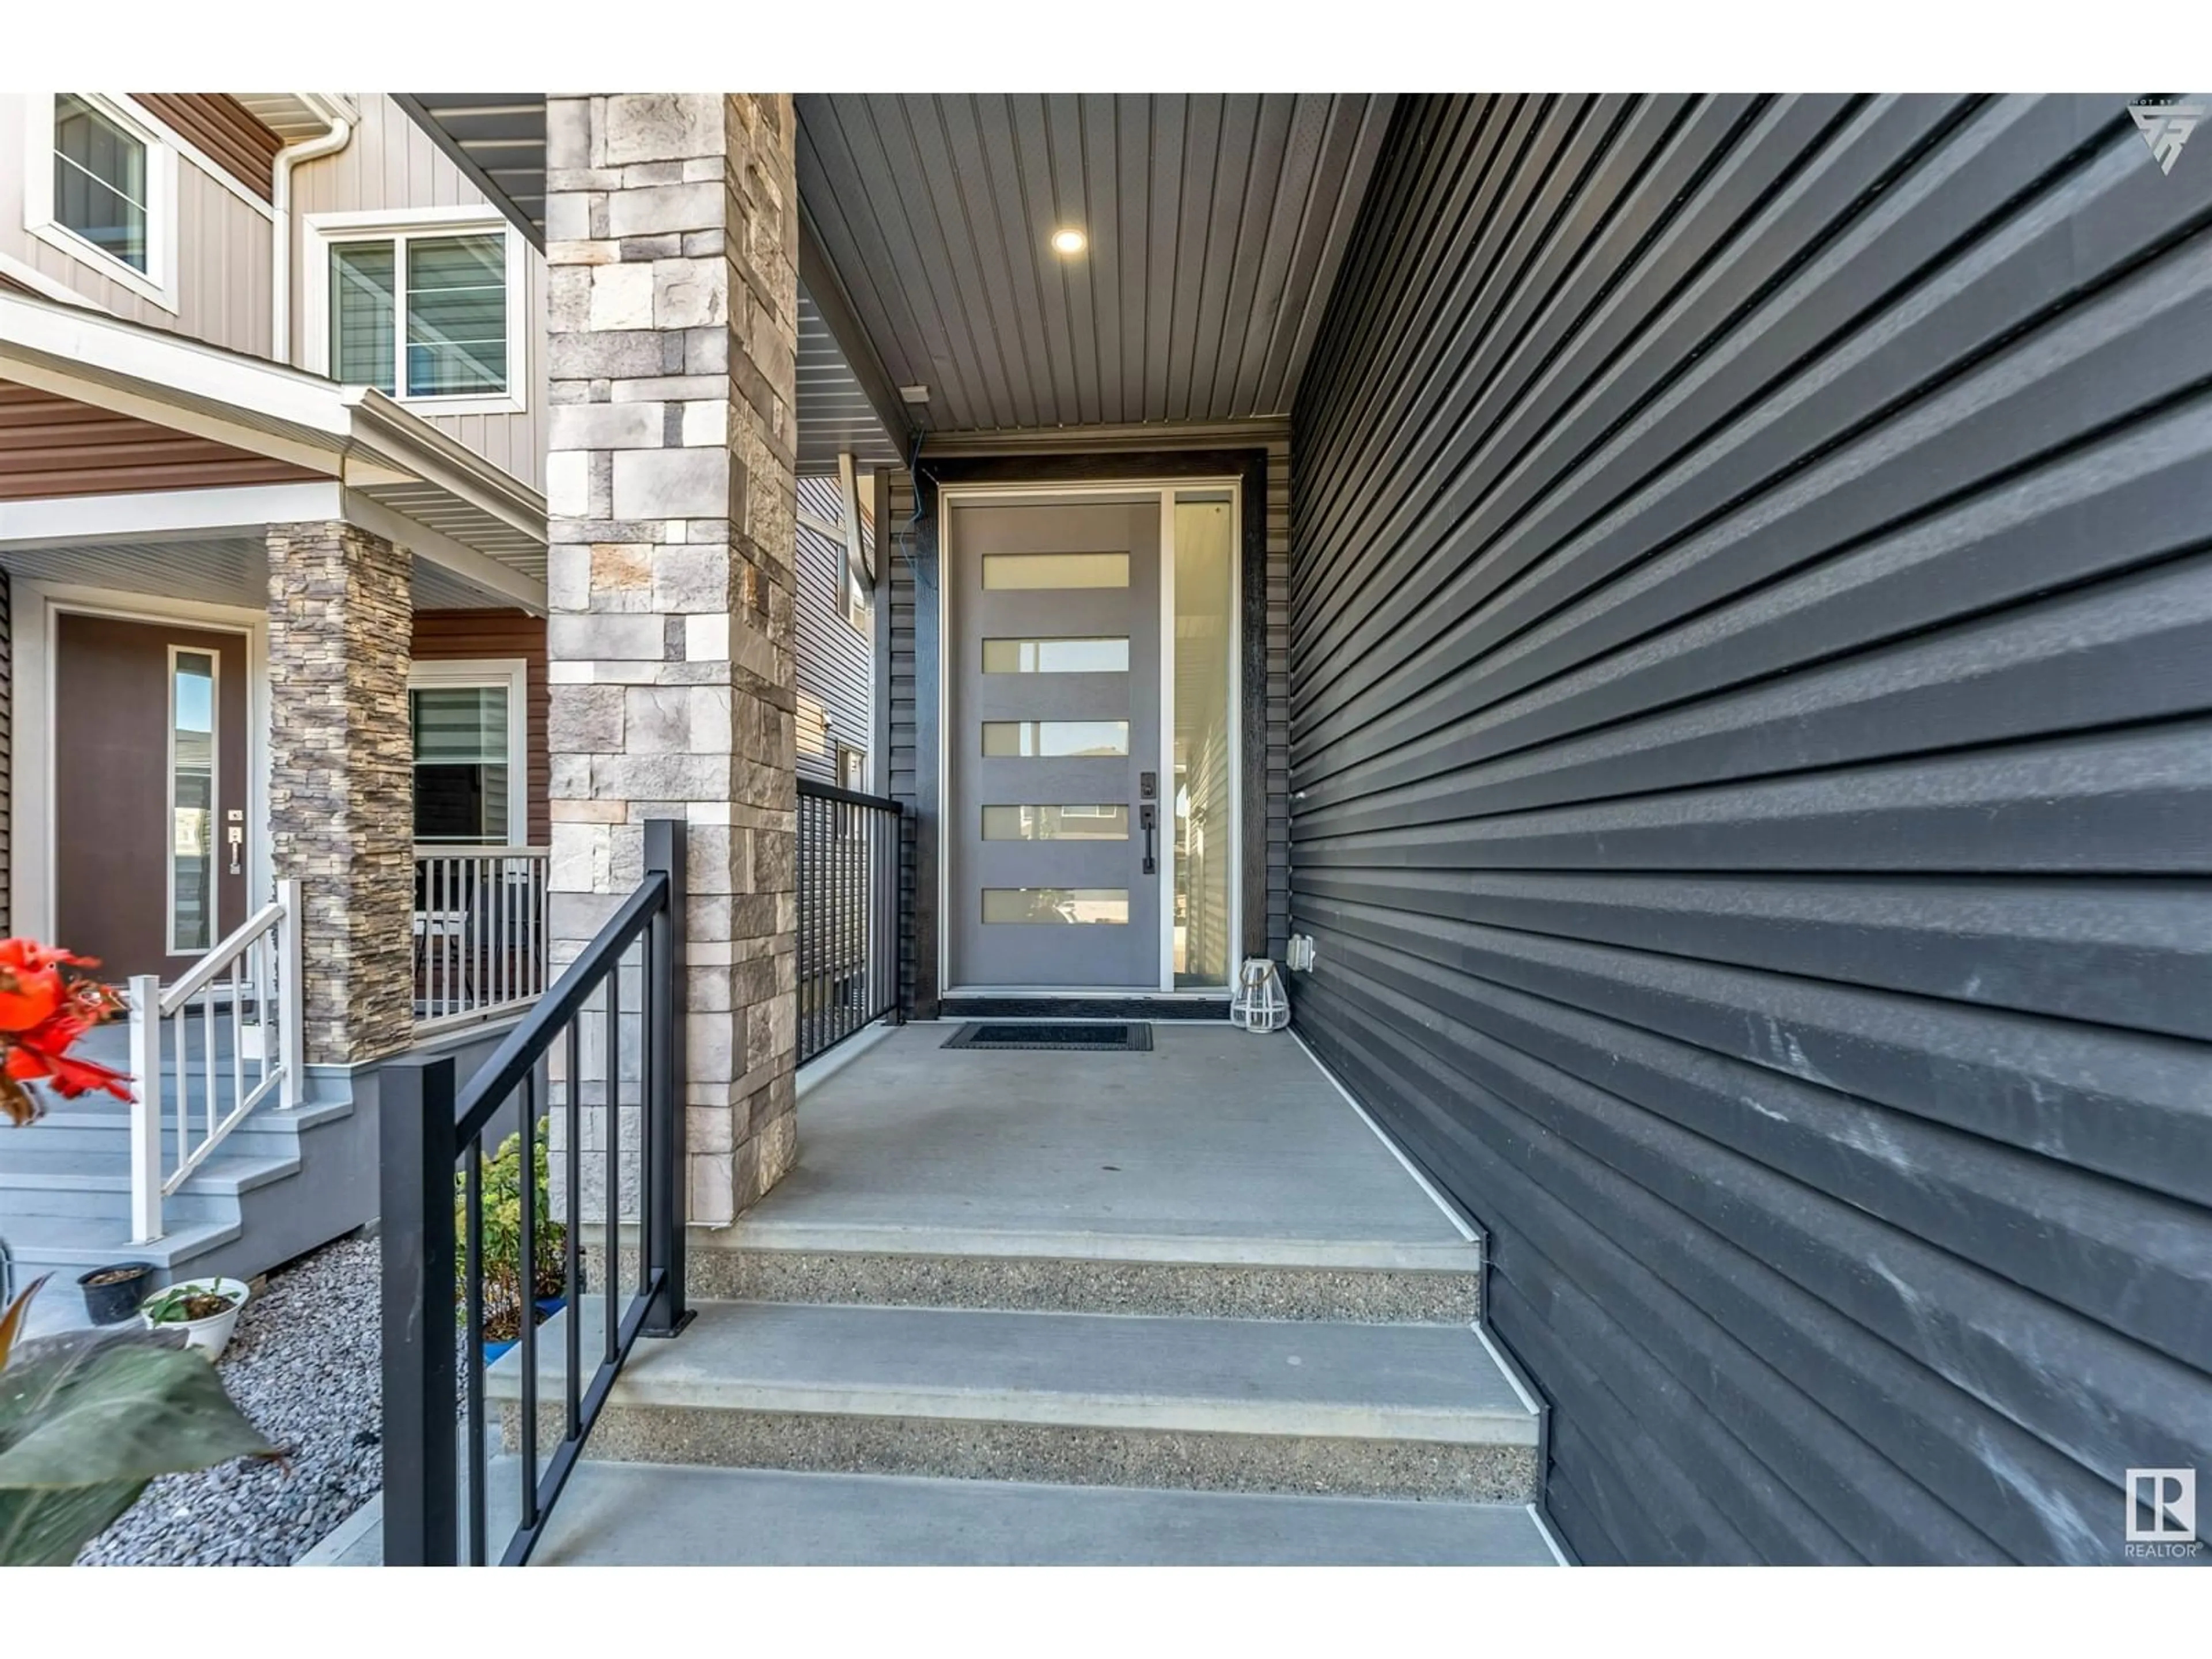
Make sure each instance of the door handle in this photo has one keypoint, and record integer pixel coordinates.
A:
(1149, 815)
(237, 848)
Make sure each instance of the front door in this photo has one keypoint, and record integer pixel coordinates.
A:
(150, 768)
(1054, 801)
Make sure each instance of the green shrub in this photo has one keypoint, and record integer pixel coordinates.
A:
(502, 1240)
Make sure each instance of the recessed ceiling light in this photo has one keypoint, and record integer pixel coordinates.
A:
(1068, 242)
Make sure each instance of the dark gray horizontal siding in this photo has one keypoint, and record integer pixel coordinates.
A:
(1751, 736)
(834, 658)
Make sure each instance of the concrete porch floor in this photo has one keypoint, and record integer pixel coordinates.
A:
(1182, 1306)
(1215, 1138)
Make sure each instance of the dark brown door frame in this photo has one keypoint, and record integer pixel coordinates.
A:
(38, 608)
(1249, 467)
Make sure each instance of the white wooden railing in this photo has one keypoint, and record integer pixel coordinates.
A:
(480, 933)
(246, 993)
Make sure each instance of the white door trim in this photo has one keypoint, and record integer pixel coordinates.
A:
(949, 495)
(34, 621)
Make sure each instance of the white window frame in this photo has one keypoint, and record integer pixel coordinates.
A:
(508, 674)
(320, 232)
(157, 283)
(215, 827)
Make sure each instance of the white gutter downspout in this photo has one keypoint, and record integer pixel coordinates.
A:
(307, 150)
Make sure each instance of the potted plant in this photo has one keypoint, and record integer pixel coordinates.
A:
(499, 1249)
(88, 1418)
(113, 1293)
(205, 1309)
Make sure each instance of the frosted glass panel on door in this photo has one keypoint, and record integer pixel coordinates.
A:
(1108, 905)
(192, 802)
(1204, 742)
(1055, 824)
(1008, 570)
(1093, 656)
(1054, 739)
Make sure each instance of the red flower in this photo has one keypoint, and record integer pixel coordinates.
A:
(42, 1014)
(31, 985)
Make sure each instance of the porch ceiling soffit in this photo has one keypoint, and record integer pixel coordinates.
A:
(404, 478)
(1215, 225)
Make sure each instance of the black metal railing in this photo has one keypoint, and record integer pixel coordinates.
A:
(439, 1495)
(849, 916)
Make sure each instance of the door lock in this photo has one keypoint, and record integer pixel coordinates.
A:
(237, 839)
(1149, 816)
(1148, 785)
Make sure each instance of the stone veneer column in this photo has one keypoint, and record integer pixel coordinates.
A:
(671, 227)
(342, 779)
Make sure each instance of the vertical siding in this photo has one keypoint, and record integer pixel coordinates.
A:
(223, 254)
(908, 547)
(451, 635)
(390, 164)
(834, 658)
(1751, 620)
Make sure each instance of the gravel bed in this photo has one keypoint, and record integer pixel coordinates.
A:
(304, 1364)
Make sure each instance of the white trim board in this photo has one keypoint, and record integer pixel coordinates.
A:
(166, 514)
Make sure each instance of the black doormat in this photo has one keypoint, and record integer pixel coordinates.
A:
(1123, 1038)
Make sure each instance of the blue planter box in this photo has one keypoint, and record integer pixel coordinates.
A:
(547, 1307)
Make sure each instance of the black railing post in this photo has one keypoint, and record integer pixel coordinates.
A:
(902, 917)
(666, 1095)
(417, 1149)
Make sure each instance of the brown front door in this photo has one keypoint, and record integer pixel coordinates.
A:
(149, 764)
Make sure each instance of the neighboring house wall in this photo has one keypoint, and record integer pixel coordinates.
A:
(223, 233)
(391, 167)
(834, 656)
(468, 636)
(911, 615)
(1749, 620)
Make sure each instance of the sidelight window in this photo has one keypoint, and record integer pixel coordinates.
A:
(191, 801)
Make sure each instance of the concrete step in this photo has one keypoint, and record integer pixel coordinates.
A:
(1224, 1404)
(1087, 1272)
(661, 1514)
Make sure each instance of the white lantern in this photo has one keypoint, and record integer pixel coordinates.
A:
(1260, 1004)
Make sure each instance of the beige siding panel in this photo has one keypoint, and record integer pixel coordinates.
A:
(223, 254)
(391, 165)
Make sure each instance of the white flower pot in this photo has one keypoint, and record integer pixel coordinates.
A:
(212, 1334)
